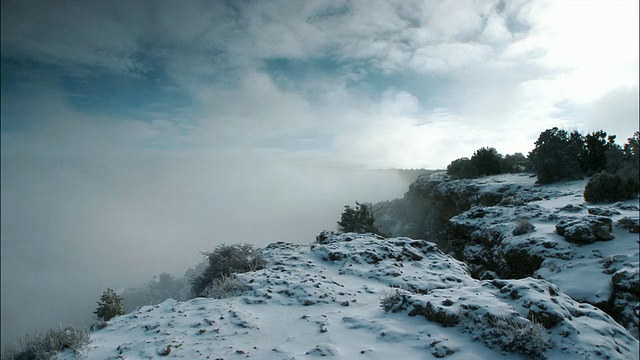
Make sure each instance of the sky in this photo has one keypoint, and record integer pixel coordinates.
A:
(167, 127)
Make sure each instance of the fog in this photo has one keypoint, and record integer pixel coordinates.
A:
(74, 224)
(145, 134)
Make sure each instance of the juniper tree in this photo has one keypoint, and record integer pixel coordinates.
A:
(109, 306)
(358, 219)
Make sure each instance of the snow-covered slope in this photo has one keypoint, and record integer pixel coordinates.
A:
(325, 300)
(356, 296)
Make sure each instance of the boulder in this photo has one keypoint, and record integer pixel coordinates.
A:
(633, 225)
(602, 211)
(585, 230)
(625, 299)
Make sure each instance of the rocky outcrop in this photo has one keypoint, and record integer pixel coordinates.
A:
(514, 315)
(507, 227)
(633, 225)
(585, 230)
(625, 299)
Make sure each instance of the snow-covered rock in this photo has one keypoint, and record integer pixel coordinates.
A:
(585, 230)
(570, 243)
(326, 300)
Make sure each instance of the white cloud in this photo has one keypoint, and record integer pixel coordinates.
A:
(514, 64)
(449, 57)
(616, 112)
(593, 45)
(495, 30)
(453, 20)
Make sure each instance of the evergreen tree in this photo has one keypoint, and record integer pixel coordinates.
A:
(514, 163)
(556, 155)
(593, 157)
(631, 157)
(462, 168)
(358, 219)
(109, 306)
(487, 161)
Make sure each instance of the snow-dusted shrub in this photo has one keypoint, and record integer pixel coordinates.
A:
(605, 187)
(45, 345)
(527, 337)
(511, 201)
(225, 260)
(391, 299)
(507, 334)
(523, 227)
(225, 287)
(109, 306)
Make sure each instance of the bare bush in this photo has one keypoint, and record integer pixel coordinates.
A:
(509, 334)
(225, 287)
(45, 345)
(523, 227)
(225, 260)
(391, 299)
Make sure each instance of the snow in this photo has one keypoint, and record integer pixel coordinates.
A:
(324, 299)
(584, 268)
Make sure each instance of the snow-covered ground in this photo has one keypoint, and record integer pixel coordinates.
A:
(596, 261)
(324, 299)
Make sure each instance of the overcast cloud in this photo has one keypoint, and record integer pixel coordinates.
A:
(137, 133)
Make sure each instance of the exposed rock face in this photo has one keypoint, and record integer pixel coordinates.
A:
(484, 238)
(508, 227)
(625, 299)
(585, 230)
(494, 244)
(633, 225)
(571, 208)
(602, 211)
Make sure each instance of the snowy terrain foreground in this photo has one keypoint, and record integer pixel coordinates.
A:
(325, 299)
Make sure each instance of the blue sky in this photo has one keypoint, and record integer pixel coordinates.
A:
(136, 134)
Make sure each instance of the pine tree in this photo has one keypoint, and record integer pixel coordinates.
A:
(109, 306)
(556, 155)
(359, 219)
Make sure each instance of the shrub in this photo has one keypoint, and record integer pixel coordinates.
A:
(45, 345)
(391, 300)
(487, 161)
(507, 334)
(358, 219)
(109, 306)
(514, 163)
(225, 287)
(523, 227)
(605, 187)
(511, 201)
(462, 168)
(225, 260)
(527, 337)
